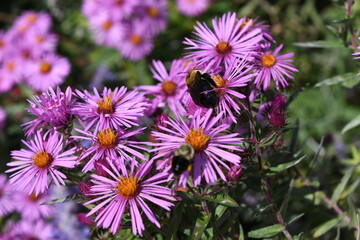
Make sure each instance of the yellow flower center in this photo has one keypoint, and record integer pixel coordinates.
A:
(153, 12)
(107, 25)
(136, 39)
(10, 66)
(45, 67)
(1, 43)
(128, 187)
(268, 60)
(107, 138)
(223, 47)
(244, 23)
(31, 18)
(105, 105)
(40, 39)
(169, 87)
(197, 139)
(221, 83)
(42, 159)
(33, 197)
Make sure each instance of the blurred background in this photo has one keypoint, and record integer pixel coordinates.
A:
(324, 105)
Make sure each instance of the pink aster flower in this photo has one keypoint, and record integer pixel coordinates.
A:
(30, 208)
(211, 145)
(4, 44)
(272, 66)
(127, 190)
(48, 71)
(171, 87)
(192, 7)
(107, 30)
(356, 54)
(6, 197)
(91, 7)
(3, 116)
(12, 70)
(154, 14)
(121, 8)
(237, 75)
(52, 110)
(33, 166)
(42, 41)
(265, 29)
(31, 20)
(6, 81)
(112, 109)
(137, 41)
(39, 230)
(224, 43)
(109, 143)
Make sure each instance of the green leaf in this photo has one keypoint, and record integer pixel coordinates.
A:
(77, 198)
(341, 186)
(299, 237)
(175, 220)
(266, 231)
(347, 80)
(219, 211)
(241, 234)
(201, 223)
(325, 227)
(284, 205)
(358, 223)
(282, 167)
(320, 44)
(296, 218)
(124, 234)
(222, 199)
(352, 124)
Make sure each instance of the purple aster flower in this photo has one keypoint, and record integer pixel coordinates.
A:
(30, 208)
(91, 7)
(137, 41)
(113, 109)
(121, 8)
(48, 71)
(31, 20)
(107, 30)
(192, 8)
(33, 166)
(236, 76)
(272, 66)
(42, 41)
(39, 230)
(154, 14)
(224, 43)
(171, 87)
(6, 196)
(12, 70)
(52, 110)
(356, 54)
(206, 136)
(110, 143)
(4, 44)
(6, 82)
(265, 29)
(2, 119)
(127, 190)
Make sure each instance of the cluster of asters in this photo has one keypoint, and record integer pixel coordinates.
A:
(28, 54)
(104, 136)
(130, 26)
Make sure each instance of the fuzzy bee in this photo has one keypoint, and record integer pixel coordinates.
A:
(183, 159)
(202, 89)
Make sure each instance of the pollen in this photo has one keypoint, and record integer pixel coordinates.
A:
(1, 43)
(244, 23)
(197, 139)
(128, 187)
(31, 18)
(107, 138)
(221, 83)
(42, 159)
(40, 39)
(26, 54)
(105, 105)
(153, 12)
(223, 47)
(10, 66)
(136, 39)
(33, 197)
(119, 2)
(169, 87)
(45, 67)
(107, 25)
(268, 60)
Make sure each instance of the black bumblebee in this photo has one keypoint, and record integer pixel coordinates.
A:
(183, 159)
(202, 89)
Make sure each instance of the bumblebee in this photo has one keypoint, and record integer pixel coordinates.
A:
(202, 89)
(183, 159)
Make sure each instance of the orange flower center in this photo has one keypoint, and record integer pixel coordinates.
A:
(1, 43)
(246, 22)
(136, 39)
(40, 39)
(169, 87)
(119, 2)
(33, 197)
(197, 139)
(223, 47)
(42, 159)
(105, 105)
(26, 54)
(153, 12)
(31, 18)
(268, 60)
(10, 66)
(128, 187)
(107, 138)
(45, 67)
(221, 83)
(107, 25)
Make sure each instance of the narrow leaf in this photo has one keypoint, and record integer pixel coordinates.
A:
(320, 44)
(347, 80)
(175, 220)
(325, 227)
(352, 124)
(241, 234)
(282, 167)
(201, 223)
(77, 198)
(222, 199)
(341, 186)
(266, 231)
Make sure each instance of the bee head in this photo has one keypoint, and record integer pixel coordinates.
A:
(186, 151)
(192, 75)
